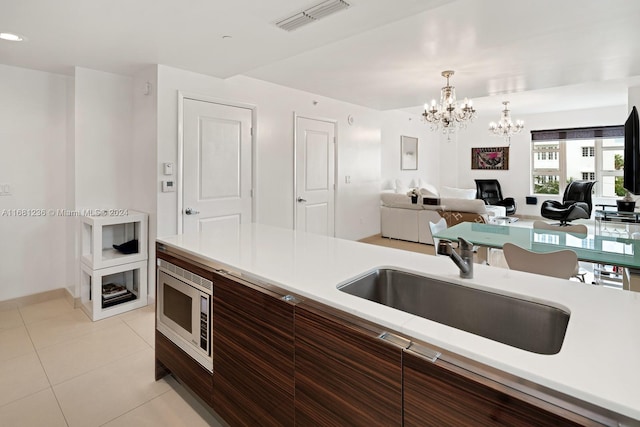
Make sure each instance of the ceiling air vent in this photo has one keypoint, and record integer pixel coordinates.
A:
(312, 14)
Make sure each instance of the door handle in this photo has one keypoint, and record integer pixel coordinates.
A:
(301, 200)
(190, 211)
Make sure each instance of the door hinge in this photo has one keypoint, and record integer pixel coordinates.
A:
(251, 131)
(251, 193)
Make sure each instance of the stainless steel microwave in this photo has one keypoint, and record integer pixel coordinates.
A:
(184, 311)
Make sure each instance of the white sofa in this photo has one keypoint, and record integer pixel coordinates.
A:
(400, 219)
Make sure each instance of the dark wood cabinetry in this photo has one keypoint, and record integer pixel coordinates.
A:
(170, 358)
(253, 355)
(281, 362)
(345, 375)
(440, 393)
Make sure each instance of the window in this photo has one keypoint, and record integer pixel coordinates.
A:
(563, 155)
(544, 155)
(588, 151)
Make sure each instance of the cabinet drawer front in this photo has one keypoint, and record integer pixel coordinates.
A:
(435, 396)
(252, 355)
(345, 376)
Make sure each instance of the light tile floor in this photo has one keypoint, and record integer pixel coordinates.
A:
(58, 368)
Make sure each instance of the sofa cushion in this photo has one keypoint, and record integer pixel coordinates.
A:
(401, 187)
(427, 190)
(464, 205)
(394, 200)
(458, 193)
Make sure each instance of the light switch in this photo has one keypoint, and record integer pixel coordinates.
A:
(168, 168)
(5, 189)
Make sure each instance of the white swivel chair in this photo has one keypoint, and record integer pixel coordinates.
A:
(556, 264)
(436, 228)
(578, 229)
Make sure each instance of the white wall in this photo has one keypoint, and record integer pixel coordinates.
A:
(396, 124)
(103, 139)
(358, 150)
(72, 237)
(144, 156)
(33, 137)
(633, 98)
(515, 182)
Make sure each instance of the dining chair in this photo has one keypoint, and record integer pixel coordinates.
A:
(560, 264)
(436, 228)
(579, 229)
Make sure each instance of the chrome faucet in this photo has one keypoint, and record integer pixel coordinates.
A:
(464, 261)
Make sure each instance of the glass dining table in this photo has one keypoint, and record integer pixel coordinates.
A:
(610, 250)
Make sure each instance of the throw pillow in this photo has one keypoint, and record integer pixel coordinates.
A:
(401, 188)
(458, 193)
(426, 189)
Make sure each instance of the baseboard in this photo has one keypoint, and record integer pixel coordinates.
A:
(50, 295)
(37, 298)
(70, 298)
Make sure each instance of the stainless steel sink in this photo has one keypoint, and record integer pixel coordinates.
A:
(527, 325)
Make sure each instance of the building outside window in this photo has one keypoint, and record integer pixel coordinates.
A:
(563, 155)
(588, 151)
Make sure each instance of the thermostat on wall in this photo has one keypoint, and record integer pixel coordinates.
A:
(168, 168)
(168, 186)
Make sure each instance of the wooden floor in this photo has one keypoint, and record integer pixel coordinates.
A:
(377, 239)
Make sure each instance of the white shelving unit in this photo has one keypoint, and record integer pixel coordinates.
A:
(100, 233)
(102, 265)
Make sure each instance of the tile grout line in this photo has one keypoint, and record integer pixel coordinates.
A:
(134, 408)
(136, 332)
(44, 370)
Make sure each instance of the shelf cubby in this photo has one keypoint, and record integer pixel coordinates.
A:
(131, 276)
(100, 233)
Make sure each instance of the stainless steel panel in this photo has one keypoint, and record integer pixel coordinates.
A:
(527, 325)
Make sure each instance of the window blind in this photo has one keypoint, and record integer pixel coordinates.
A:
(578, 133)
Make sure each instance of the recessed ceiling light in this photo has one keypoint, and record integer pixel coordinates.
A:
(11, 37)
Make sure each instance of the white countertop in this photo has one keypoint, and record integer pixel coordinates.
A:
(600, 358)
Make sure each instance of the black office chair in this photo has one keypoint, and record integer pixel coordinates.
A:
(576, 203)
(489, 190)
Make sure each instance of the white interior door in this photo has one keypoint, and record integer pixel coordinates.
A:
(216, 166)
(315, 165)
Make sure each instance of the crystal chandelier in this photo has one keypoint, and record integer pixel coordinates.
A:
(446, 115)
(506, 127)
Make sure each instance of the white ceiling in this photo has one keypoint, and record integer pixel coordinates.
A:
(384, 54)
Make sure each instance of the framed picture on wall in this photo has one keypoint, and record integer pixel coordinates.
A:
(408, 153)
(493, 158)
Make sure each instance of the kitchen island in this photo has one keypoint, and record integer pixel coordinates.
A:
(600, 356)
